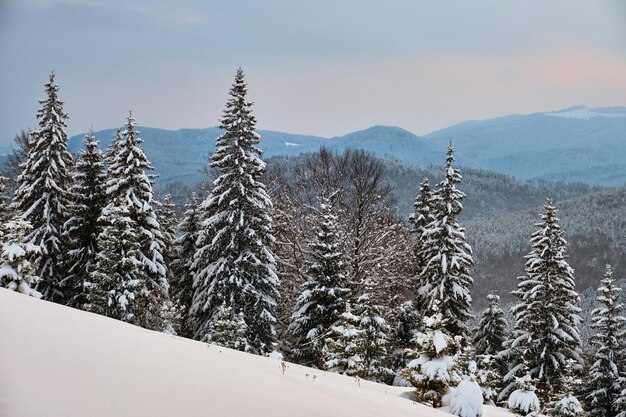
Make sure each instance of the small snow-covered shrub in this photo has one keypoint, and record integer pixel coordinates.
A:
(466, 400)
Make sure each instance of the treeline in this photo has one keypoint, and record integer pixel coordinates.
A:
(313, 262)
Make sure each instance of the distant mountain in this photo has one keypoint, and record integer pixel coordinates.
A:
(577, 144)
(180, 155)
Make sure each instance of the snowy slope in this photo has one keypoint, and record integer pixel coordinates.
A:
(60, 362)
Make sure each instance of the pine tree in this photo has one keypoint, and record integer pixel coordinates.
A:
(344, 350)
(228, 330)
(82, 228)
(568, 406)
(130, 188)
(323, 296)
(446, 279)
(419, 221)
(523, 401)
(182, 272)
(43, 193)
(235, 266)
(116, 288)
(405, 325)
(607, 375)
(17, 270)
(5, 211)
(491, 332)
(167, 219)
(373, 331)
(433, 370)
(546, 319)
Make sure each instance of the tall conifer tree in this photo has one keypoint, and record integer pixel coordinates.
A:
(83, 227)
(43, 194)
(181, 288)
(445, 276)
(129, 188)
(546, 333)
(324, 294)
(607, 375)
(235, 267)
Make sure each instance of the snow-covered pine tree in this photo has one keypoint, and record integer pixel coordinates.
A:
(445, 277)
(568, 406)
(181, 285)
(546, 334)
(373, 339)
(229, 330)
(235, 266)
(404, 319)
(117, 285)
(607, 376)
(489, 338)
(523, 401)
(491, 332)
(130, 187)
(344, 349)
(167, 219)
(433, 370)
(324, 294)
(43, 194)
(17, 270)
(5, 211)
(419, 220)
(82, 228)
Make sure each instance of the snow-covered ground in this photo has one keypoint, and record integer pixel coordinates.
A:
(60, 362)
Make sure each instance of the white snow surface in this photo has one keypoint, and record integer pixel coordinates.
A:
(60, 362)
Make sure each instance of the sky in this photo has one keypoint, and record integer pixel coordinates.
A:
(324, 67)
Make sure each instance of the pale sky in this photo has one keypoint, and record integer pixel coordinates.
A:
(324, 67)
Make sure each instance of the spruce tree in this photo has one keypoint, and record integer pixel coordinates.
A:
(419, 220)
(129, 187)
(167, 219)
(17, 270)
(323, 295)
(344, 347)
(434, 369)
(229, 330)
(405, 325)
(117, 287)
(546, 319)
(43, 194)
(82, 228)
(607, 375)
(6, 213)
(181, 286)
(235, 266)
(445, 277)
(491, 332)
(373, 338)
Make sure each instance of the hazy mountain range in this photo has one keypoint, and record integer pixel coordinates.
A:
(577, 144)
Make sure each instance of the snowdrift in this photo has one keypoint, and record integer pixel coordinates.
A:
(59, 362)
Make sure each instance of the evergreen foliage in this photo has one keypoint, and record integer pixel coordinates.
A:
(229, 330)
(445, 276)
(130, 189)
(373, 337)
(491, 332)
(117, 286)
(323, 295)
(607, 375)
(17, 270)
(433, 370)
(235, 267)
(419, 221)
(181, 289)
(43, 193)
(82, 228)
(344, 349)
(546, 334)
